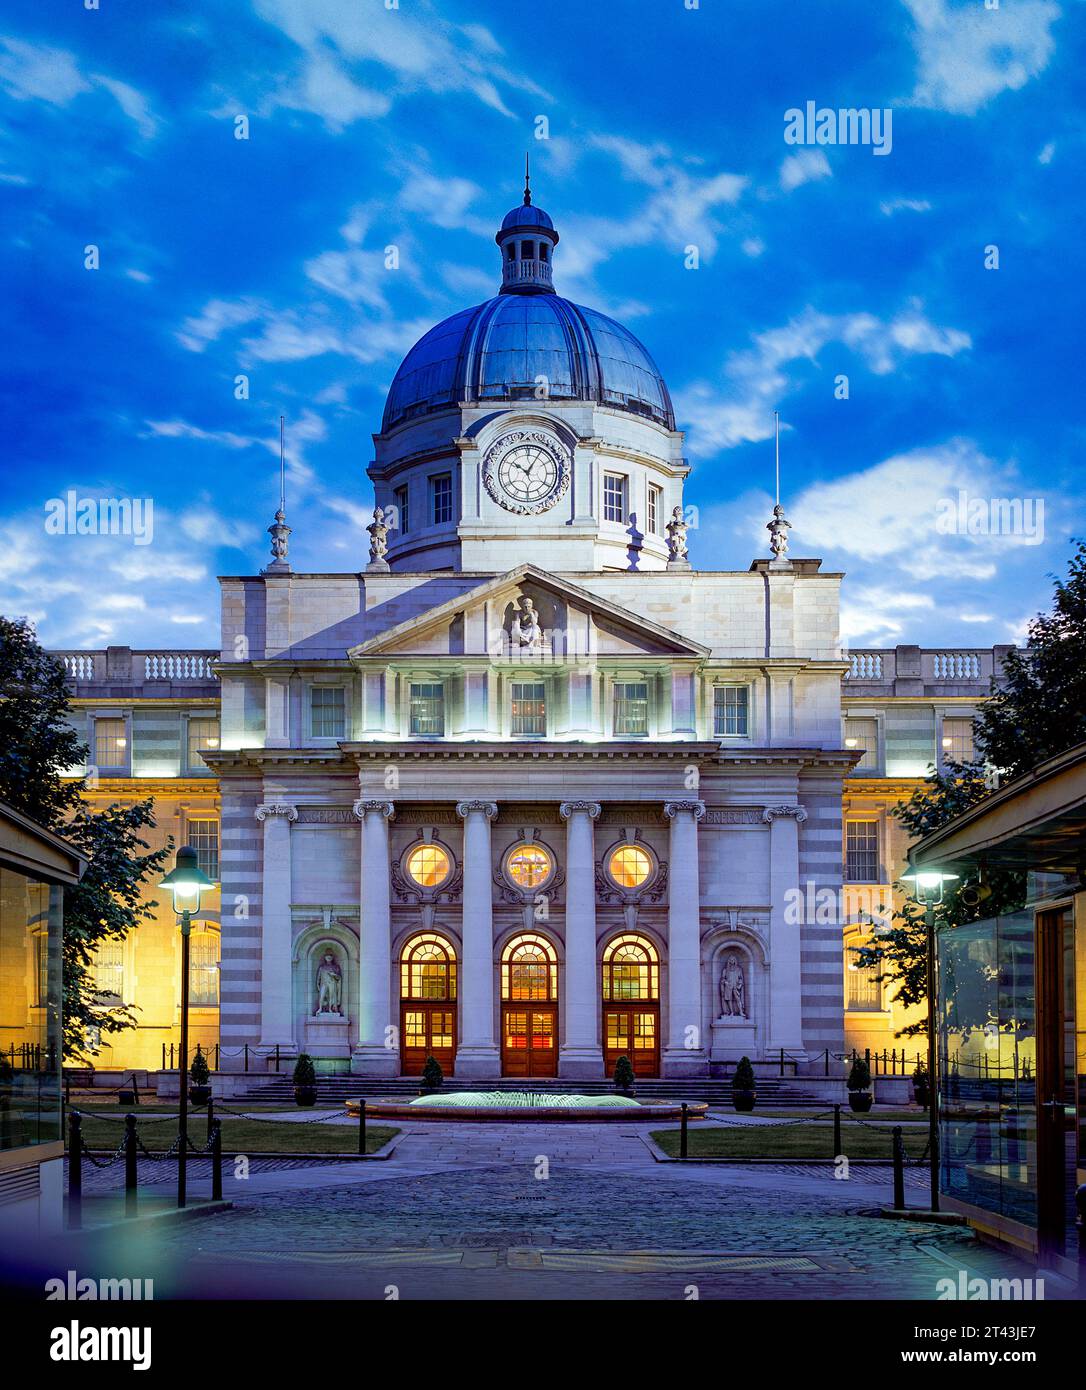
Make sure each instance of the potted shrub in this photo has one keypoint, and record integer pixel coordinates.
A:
(432, 1076)
(921, 1089)
(859, 1086)
(743, 1088)
(624, 1075)
(305, 1080)
(199, 1080)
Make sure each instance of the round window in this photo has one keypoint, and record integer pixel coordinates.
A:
(630, 866)
(428, 865)
(528, 866)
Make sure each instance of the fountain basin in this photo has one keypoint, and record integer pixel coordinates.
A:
(526, 1107)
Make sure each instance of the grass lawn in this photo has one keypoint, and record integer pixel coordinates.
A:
(792, 1141)
(243, 1136)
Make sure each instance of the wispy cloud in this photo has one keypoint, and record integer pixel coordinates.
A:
(36, 72)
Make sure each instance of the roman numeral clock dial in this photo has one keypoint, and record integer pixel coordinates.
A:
(526, 471)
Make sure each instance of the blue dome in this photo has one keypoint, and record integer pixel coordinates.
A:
(527, 215)
(496, 351)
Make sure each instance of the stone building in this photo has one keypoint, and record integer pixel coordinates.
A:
(529, 792)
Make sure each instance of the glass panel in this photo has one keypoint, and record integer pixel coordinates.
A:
(414, 1029)
(614, 497)
(528, 866)
(203, 733)
(30, 940)
(655, 505)
(630, 866)
(615, 1032)
(203, 836)
(428, 865)
(427, 709)
(401, 506)
(108, 970)
(516, 1030)
(327, 708)
(542, 1032)
(529, 708)
(644, 1032)
(731, 711)
(204, 970)
(110, 743)
(631, 708)
(442, 499)
(862, 851)
(958, 740)
(862, 736)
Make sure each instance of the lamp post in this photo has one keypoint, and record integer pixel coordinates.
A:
(186, 882)
(928, 889)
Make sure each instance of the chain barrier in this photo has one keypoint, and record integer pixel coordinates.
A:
(773, 1124)
(267, 1119)
(109, 1162)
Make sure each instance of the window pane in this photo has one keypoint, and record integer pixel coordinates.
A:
(428, 865)
(862, 990)
(427, 709)
(632, 708)
(731, 711)
(529, 708)
(529, 865)
(441, 499)
(110, 743)
(401, 506)
(327, 708)
(203, 733)
(614, 497)
(862, 851)
(958, 740)
(655, 503)
(862, 736)
(204, 839)
(204, 970)
(108, 969)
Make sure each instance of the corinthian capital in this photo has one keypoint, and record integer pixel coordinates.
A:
(591, 809)
(276, 808)
(465, 808)
(772, 812)
(675, 808)
(383, 808)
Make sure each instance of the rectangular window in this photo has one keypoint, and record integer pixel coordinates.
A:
(656, 507)
(862, 851)
(731, 711)
(529, 708)
(41, 970)
(427, 709)
(327, 711)
(862, 736)
(204, 970)
(203, 733)
(400, 499)
(441, 499)
(862, 989)
(110, 743)
(958, 740)
(109, 969)
(204, 839)
(614, 497)
(631, 708)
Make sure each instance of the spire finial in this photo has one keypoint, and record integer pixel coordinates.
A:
(527, 181)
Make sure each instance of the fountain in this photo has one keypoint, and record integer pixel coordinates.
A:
(539, 1107)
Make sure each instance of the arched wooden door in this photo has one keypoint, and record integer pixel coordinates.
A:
(529, 985)
(631, 1004)
(427, 1003)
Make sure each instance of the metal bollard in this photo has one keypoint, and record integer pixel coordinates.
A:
(837, 1146)
(75, 1170)
(216, 1161)
(131, 1178)
(362, 1126)
(683, 1132)
(210, 1115)
(899, 1169)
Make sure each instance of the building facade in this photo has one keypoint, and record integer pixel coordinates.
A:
(529, 792)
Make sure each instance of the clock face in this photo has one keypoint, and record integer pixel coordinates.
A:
(526, 471)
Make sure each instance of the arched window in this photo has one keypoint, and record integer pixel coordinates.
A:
(631, 970)
(428, 968)
(529, 969)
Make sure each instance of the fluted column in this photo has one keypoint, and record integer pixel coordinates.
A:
(377, 1051)
(477, 1054)
(581, 1054)
(685, 1053)
(785, 940)
(276, 1005)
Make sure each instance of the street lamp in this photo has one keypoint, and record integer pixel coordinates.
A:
(928, 889)
(186, 882)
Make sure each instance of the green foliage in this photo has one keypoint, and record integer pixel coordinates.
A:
(1036, 711)
(432, 1075)
(624, 1074)
(305, 1074)
(859, 1078)
(199, 1072)
(37, 743)
(743, 1080)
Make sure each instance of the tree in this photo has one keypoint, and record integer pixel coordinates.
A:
(38, 745)
(1035, 711)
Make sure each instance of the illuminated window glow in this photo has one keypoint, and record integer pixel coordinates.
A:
(528, 866)
(428, 865)
(529, 969)
(630, 866)
(631, 970)
(427, 971)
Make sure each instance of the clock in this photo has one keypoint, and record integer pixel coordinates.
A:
(526, 471)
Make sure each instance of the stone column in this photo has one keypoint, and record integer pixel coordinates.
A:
(785, 936)
(276, 1003)
(686, 1053)
(477, 1054)
(377, 1051)
(581, 1053)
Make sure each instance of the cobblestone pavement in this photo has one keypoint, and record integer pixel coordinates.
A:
(555, 1211)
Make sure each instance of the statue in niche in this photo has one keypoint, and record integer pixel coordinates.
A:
(329, 986)
(525, 626)
(733, 988)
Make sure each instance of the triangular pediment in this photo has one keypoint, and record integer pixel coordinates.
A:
(524, 610)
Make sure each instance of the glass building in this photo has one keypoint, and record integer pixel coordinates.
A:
(1011, 1012)
(35, 867)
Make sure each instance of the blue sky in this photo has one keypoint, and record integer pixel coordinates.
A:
(372, 127)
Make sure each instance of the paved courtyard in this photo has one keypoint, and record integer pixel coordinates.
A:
(549, 1211)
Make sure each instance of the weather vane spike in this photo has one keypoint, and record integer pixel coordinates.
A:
(527, 181)
(282, 464)
(777, 435)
